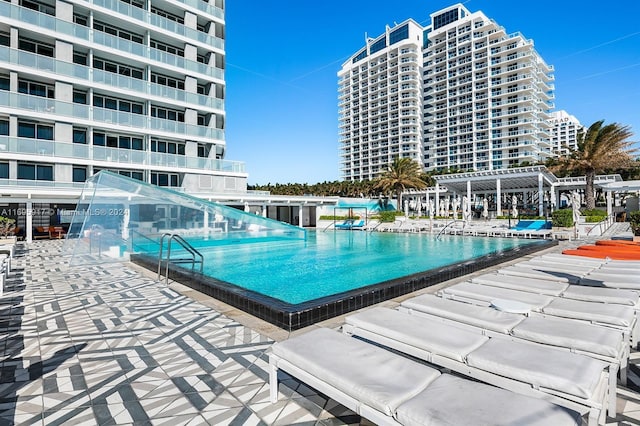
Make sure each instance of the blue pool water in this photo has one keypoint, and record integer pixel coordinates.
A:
(328, 263)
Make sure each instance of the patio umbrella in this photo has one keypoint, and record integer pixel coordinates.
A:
(466, 208)
(575, 206)
(485, 208)
(456, 205)
(431, 207)
(418, 207)
(406, 208)
(514, 206)
(443, 208)
(246, 207)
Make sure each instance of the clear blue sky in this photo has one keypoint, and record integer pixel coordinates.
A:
(283, 58)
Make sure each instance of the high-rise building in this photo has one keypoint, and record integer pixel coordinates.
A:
(380, 102)
(564, 132)
(486, 98)
(136, 87)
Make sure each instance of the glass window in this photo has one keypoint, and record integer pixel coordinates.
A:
(125, 142)
(44, 172)
(112, 141)
(99, 139)
(26, 130)
(5, 83)
(137, 175)
(45, 132)
(4, 170)
(27, 171)
(79, 97)
(79, 136)
(136, 143)
(79, 174)
(4, 127)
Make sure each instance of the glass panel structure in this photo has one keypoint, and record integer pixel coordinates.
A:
(117, 216)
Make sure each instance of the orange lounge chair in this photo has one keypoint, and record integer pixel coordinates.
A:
(602, 254)
(617, 243)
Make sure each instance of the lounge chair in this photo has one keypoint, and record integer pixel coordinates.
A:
(572, 380)
(609, 315)
(389, 389)
(595, 341)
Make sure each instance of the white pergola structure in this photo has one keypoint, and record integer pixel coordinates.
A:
(609, 183)
(528, 180)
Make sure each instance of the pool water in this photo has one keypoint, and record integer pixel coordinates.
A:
(328, 263)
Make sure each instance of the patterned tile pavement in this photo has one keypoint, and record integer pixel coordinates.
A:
(107, 345)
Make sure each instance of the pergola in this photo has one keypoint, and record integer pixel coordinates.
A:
(533, 181)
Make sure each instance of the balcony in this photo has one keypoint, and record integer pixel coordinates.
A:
(41, 20)
(111, 117)
(48, 148)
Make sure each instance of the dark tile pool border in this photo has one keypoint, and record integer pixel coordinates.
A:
(295, 316)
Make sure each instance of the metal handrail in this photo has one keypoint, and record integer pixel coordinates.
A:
(447, 225)
(185, 245)
(599, 224)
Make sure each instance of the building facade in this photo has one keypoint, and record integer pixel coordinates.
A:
(380, 103)
(486, 99)
(136, 87)
(564, 132)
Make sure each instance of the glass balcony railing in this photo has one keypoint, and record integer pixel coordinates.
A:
(120, 118)
(121, 156)
(45, 63)
(21, 183)
(43, 20)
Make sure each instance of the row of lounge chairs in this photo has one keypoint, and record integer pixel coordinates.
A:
(556, 330)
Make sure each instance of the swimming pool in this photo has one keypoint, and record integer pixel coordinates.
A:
(296, 283)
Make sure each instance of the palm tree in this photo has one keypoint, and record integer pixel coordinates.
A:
(402, 174)
(602, 147)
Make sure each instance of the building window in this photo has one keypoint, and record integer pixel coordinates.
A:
(164, 80)
(79, 174)
(35, 131)
(35, 172)
(116, 68)
(80, 136)
(36, 47)
(4, 127)
(38, 7)
(203, 150)
(4, 170)
(167, 147)
(5, 83)
(167, 114)
(167, 15)
(5, 39)
(36, 89)
(118, 141)
(167, 48)
(132, 175)
(164, 179)
(117, 104)
(80, 58)
(81, 20)
(79, 97)
(117, 32)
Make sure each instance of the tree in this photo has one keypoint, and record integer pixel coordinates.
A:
(402, 174)
(600, 148)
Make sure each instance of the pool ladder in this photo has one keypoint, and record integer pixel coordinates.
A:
(194, 258)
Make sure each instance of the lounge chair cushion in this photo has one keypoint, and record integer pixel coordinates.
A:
(572, 260)
(622, 316)
(478, 316)
(533, 285)
(438, 338)
(601, 294)
(560, 276)
(541, 265)
(627, 281)
(453, 401)
(571, 334)
(371, 375)
(488, 293)
(540, 365)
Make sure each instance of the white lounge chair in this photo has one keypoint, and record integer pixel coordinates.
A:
(572, 380)
(389, 389)
(615, 316)
(598, 342)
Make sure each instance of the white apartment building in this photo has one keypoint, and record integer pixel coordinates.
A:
(380, 103)
(487, 96)
(133, 86)
(564, 132)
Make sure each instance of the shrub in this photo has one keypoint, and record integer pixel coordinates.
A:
(331, 217)
(594, 212)
(562, 218)
(634, 221)
(389, 216)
